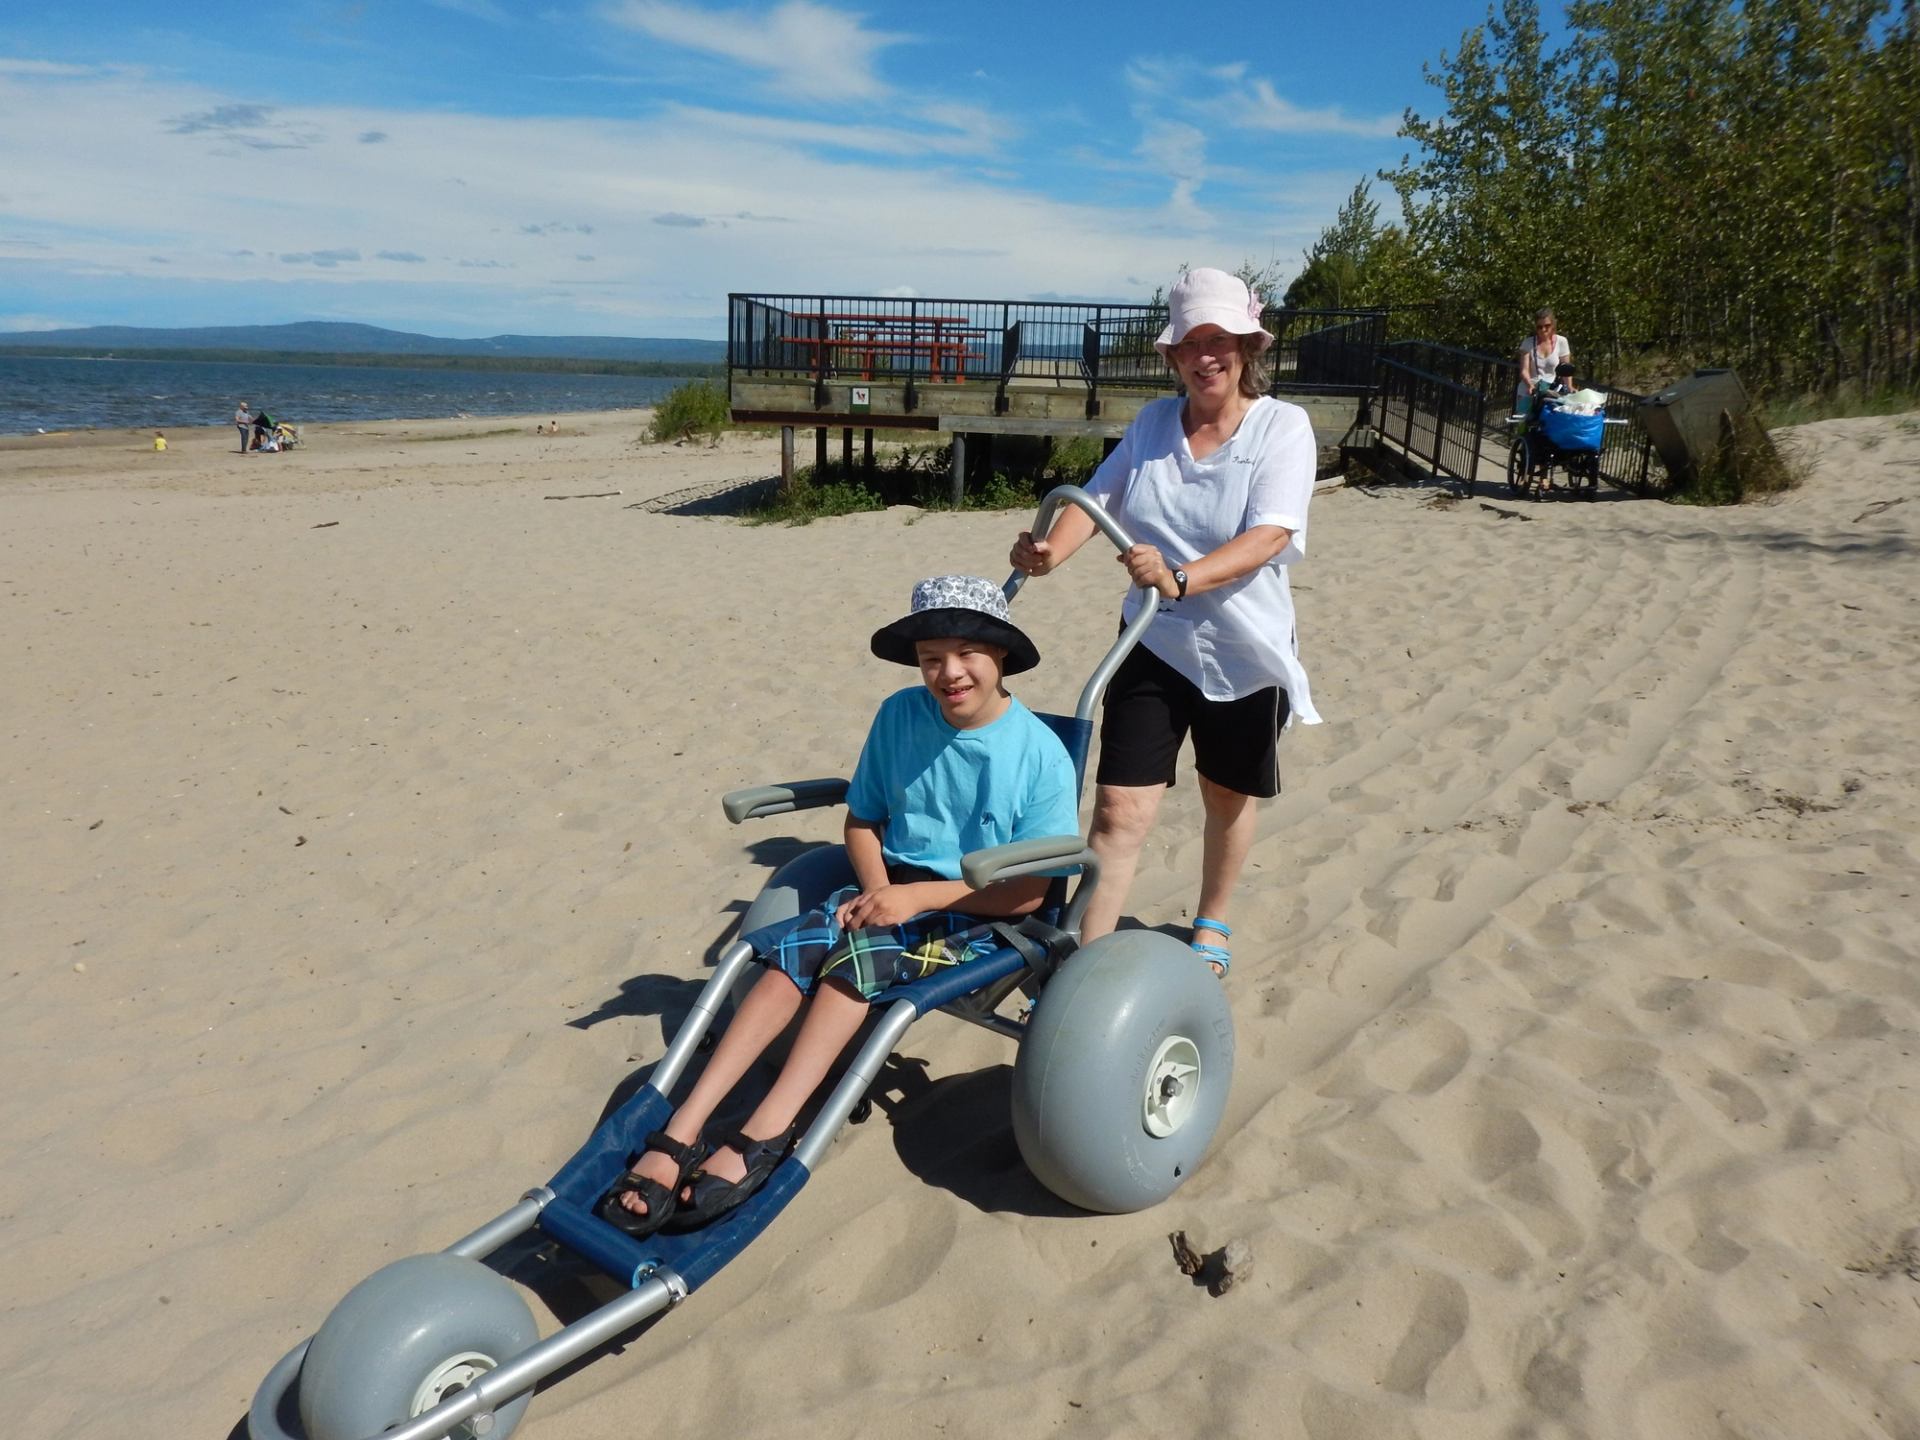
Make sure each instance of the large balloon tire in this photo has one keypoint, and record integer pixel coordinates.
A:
(1123, 1073)
(406, 1337)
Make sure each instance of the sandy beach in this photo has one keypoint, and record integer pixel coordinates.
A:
(362, 835)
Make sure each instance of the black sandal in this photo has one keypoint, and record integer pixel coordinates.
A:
(711, 1197)
(661, 1201)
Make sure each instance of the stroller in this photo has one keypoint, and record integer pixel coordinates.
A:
(1553, 439)
(1119, 1083)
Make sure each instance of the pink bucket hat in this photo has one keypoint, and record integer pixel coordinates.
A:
(1210, 297)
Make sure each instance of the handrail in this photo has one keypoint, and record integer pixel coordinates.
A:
(1149, 597)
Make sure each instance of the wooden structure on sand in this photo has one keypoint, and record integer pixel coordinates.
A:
(985, 368)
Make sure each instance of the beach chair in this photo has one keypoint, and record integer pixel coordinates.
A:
(1120, 1080)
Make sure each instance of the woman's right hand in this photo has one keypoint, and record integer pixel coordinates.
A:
(1030, 556)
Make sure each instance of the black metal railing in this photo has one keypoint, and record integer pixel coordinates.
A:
(1334, 357)
(1627, 458)
(1011, 342)
(1430, 417)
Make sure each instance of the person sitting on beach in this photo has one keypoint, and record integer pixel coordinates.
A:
(263, 424)
(950, 766)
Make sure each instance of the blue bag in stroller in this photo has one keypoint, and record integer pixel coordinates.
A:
(1579, 434)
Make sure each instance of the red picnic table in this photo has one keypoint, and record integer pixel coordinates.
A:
(945, 340)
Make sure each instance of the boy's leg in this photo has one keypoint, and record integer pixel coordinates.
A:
(1122, 816)
(831, 1020)
(760, 1018)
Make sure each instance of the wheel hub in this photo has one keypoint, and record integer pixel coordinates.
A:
(1172, 1086)
(450, 1377)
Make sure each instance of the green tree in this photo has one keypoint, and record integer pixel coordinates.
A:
(1332, 276)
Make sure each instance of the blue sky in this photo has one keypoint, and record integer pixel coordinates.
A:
(474, 167)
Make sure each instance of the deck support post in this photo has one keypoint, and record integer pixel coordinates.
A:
(786, 457)
(819, 454)
(846, 451)
(959, 467)
(866, 458)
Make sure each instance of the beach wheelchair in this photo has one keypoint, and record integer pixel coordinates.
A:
(1120, 1080)
(1553, 441)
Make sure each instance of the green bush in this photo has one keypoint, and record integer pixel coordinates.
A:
(815, 497)
(698, 408)
(1745, 465)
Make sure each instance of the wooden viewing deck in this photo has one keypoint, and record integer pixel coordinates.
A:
(991, 368)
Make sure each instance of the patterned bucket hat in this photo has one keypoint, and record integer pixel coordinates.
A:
(956, 607)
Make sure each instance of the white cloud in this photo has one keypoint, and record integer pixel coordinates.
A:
(465, 223)
(811, 51)
(895, 139)
(1179, 150)
(21, 324)
(45, 68)
(1226, 95)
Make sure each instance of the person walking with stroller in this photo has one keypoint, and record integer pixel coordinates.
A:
(1213, 487)
(1541, 354)
(952, 765)
(243, 421)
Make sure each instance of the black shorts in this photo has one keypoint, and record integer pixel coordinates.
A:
(1151, 706)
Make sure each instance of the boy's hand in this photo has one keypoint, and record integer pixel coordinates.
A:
(888, 905)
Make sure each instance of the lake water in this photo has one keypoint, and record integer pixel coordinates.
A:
(62, 394)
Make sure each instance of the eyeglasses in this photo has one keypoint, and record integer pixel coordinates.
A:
(1224, 343)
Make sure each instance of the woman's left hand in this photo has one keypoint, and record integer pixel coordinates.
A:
(1146, 566)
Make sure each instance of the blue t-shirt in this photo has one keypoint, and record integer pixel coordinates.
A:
(942, 793)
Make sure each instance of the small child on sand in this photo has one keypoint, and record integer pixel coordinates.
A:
(950, 766)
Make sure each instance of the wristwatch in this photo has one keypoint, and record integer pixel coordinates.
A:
(1180, 580)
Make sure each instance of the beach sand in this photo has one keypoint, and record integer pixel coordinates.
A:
(361, 833)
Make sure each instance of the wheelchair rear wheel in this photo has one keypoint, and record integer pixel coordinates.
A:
(1520, 468)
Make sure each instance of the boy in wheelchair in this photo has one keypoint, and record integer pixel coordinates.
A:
(953, 765)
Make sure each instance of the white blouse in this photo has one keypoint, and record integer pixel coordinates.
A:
(1239, 638)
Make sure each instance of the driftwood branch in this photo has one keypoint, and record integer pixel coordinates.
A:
(1504, 514)
(1217, 1271)
(591, 495)
(1877, 506)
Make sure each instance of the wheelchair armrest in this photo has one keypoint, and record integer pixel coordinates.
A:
(756, 802)
(1024, 857)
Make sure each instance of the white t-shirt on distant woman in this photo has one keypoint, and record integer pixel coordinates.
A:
(1546, 360)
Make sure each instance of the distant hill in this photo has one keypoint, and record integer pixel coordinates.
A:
(341, 338)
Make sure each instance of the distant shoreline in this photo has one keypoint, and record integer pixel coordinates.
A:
(523, 364)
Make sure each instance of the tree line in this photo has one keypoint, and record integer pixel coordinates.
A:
(1683, 181)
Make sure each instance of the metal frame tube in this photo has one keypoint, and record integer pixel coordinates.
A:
(492, 1390)
(535, 1363)
(733, 960)
(504, 1227)
(855, 1083)
(1096, 685)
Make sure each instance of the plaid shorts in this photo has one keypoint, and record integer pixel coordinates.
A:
(813, 947)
